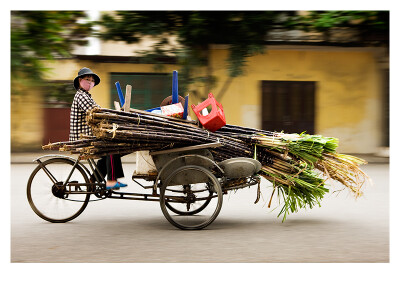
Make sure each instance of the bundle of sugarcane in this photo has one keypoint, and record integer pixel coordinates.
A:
(296, 164)
(127, 132)
(166, 132)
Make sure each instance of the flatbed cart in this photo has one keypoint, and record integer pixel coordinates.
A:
(187, 182)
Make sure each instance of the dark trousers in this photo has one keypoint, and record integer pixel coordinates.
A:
(111, 166)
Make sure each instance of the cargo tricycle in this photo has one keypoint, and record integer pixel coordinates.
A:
(187, 182)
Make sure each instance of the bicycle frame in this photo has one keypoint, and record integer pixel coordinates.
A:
(100, 180)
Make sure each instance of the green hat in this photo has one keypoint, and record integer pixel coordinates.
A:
(83, 72)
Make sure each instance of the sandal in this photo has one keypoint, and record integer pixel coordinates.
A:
(114, 187)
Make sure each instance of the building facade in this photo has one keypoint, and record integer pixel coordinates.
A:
(333, 90)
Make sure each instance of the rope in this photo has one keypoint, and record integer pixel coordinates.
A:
(113, 130)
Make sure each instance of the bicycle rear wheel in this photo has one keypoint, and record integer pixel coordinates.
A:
(53, 200)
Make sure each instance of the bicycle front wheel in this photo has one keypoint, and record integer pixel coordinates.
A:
(50, 197)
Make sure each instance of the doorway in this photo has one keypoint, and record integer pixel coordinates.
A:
(288, 106)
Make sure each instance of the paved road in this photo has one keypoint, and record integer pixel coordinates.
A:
(342, 230)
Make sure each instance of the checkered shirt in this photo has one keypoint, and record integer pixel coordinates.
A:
(81, 104)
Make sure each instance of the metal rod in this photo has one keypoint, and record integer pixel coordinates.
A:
(72, 170)
(96, 170)
(135, 194)
(188, 148)
(47, 172)
(143, 186)
(133, 198)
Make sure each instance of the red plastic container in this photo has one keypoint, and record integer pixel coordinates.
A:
(215, 119)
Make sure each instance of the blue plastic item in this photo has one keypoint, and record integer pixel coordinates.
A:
(154, 109)
(185, 107)
(175, 98)
(120, 94)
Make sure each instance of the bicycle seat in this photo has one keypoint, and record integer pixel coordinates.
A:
(240, 167)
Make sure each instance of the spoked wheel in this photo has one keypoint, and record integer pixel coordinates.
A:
(191, 198)
(191, 208)
(49, 198)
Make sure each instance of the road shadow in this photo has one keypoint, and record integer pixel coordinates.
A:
(159, 223)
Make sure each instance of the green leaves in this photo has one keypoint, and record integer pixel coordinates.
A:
(294, 171)
(299, 191)
(195, 31)
(38, 35)
(325, 20)
(311, 147)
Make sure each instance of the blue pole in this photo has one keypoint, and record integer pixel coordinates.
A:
(185, 108)
(120, 94)
(175, 99)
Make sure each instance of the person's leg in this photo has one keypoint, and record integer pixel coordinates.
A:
(114, 169)
(102, 166)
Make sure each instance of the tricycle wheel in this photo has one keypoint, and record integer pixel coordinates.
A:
(191, 197)
(194, 209)
(48, 195)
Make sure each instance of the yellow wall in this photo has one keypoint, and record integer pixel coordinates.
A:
(26, 120)
(348, 92)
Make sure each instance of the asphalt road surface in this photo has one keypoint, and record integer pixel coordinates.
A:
(342, 230)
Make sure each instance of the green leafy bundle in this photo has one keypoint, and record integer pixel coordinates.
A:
(307, 159)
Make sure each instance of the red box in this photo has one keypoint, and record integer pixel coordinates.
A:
(215, 119)
(175, 110)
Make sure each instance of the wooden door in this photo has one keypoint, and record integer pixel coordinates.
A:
(288, 106)
(56, 125)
